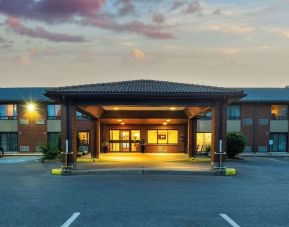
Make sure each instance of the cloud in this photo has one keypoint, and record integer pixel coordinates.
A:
(26, 58)
(138, 54)
(231, 28)
(50, 10)
(84, 12)
(158, 18)
(149, 30)
(217, 12)
(16, 25)
(280, 31)
(229, 51)
(177, 4)
(126, 7)
(193, 7)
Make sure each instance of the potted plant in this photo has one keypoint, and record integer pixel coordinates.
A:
(104, 146)
(142, 146)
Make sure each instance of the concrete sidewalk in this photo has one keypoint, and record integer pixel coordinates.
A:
(137, 163)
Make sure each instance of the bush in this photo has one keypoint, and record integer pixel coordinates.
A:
(51, 152)
(236, 143)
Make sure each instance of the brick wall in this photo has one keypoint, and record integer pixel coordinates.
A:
(32, 128)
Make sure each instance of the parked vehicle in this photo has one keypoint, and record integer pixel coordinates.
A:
(1, 152)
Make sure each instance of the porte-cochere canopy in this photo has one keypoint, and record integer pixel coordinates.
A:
(145, 102)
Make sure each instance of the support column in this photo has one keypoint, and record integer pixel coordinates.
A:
(93, 139)
(219, 131)
(68, 128)
(98, 138)
(190, 138)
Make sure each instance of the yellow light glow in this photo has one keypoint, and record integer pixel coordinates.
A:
(172, 108)
(165, 123)
(119, 120)
(31, 107)
(115, 108)
(169, 120)
(122, 123)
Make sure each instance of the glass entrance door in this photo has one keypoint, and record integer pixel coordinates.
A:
(124, 140)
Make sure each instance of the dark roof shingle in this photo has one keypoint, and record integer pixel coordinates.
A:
(266, 95)
(141, 86)
(23, 94)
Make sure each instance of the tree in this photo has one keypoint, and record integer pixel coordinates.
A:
(236, 143)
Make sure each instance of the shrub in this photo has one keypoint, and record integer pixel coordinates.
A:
(52, 152)
(236, 143)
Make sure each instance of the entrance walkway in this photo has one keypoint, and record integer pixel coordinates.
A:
(148, 161)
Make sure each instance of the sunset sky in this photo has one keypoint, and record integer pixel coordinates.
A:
(232, 43)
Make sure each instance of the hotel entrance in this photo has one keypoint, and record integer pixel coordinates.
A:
(122, 140)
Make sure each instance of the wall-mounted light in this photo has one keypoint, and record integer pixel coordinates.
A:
(165, 123)
(115, 108)
(30, 107)
(172, 108)
(122, 123)
(119, 120)
(168, 120)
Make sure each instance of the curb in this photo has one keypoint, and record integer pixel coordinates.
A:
(226, 172)
(138, 171)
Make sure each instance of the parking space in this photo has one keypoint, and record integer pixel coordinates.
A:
(257, 196)
(18, 159)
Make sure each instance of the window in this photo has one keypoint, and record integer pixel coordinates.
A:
(82, 117)
(204, 141)
(279, 112)
(208, 116)
(83, 142)
(135, 135)
(9, 141)
(233, 112)
(53, 112)
(279, 142)
(124, 140)
(162, 136)
(54, 140)
(8, 112)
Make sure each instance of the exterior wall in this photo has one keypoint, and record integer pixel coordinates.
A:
(279, 126)
(233, 126)
(53, 125)
(143, 133)
(8, 125)
(255, 124)
(204, 126)
(32, 129)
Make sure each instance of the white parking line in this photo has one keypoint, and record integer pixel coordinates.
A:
(276, 160)
(71, 219)
(229, 220)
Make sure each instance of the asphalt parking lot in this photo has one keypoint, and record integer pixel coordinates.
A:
(257, 196)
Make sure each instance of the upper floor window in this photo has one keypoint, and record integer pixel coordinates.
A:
(279, 112)
(53, 111)
(81, 116)
(208, 116)
(233, 112)
(8, 111)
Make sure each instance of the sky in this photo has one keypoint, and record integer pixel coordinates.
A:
(230, 43)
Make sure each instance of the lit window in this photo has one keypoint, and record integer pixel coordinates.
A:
(53, 111)
(233, 112)
(114, 134)
(204, 142)
(135, 134)
(162, 136)
(8, 112)
(152, 136)
(279, 112)
(172, 136)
